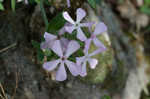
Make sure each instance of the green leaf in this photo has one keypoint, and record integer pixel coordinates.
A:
(37, 1)
(147, 2)
(56, 23)
(47, 2)
(13, 5)
(92, 3)
(145, 9)
(36, 44)
(40, 55)
(106, 97)
(47, 52)
(1, 6)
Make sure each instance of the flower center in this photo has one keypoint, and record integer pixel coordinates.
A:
(63, 58)
(77, 25)
(86, 57)
(58, 37)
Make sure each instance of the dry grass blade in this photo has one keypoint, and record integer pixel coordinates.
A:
(3, 92)
(10, 46)
(1, 96)
(15, 86)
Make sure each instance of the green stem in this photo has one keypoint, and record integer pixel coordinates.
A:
(44, 14)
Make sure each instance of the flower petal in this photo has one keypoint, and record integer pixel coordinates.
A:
(49, 36)
(47, 44)
(80, 35)
(93, 62)
(57, 48)
(80, 60)
(99, 44)
(100, 28)
(61, 74)
(73, 46)
(87, 45)
(99, 50)
(88, 24)
(83, 69)
(44, 45)
(72, 67)
(49, 66)
(69, 28)
(68, 3)
(68, 18)
(64, 43)
(63, 29)
(26, 2)
(80, 14)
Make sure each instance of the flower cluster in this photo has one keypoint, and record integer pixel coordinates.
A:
(65, 48)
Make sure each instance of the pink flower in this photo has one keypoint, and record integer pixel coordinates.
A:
(61, 74)
(76, 25)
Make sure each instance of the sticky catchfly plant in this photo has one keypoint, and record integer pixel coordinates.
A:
(76, 25)
(61, 74)
(65, 48)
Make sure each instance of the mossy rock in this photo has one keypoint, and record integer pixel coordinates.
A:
(105, 59)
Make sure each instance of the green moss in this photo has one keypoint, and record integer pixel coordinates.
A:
(99, 74)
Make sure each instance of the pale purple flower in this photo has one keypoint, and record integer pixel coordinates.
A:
(82, 61)
(61, 74)
(50, 38)
(49, 41)
(68, 3)
(99, 29)
(76, 25)
(63, 30)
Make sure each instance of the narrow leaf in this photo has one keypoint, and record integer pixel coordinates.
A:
(1, 6)
(13, 5)
(35, 44)
(40, 55)
(145, 9)
(92, 3)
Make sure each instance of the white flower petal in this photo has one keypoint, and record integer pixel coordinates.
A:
(68, 18)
